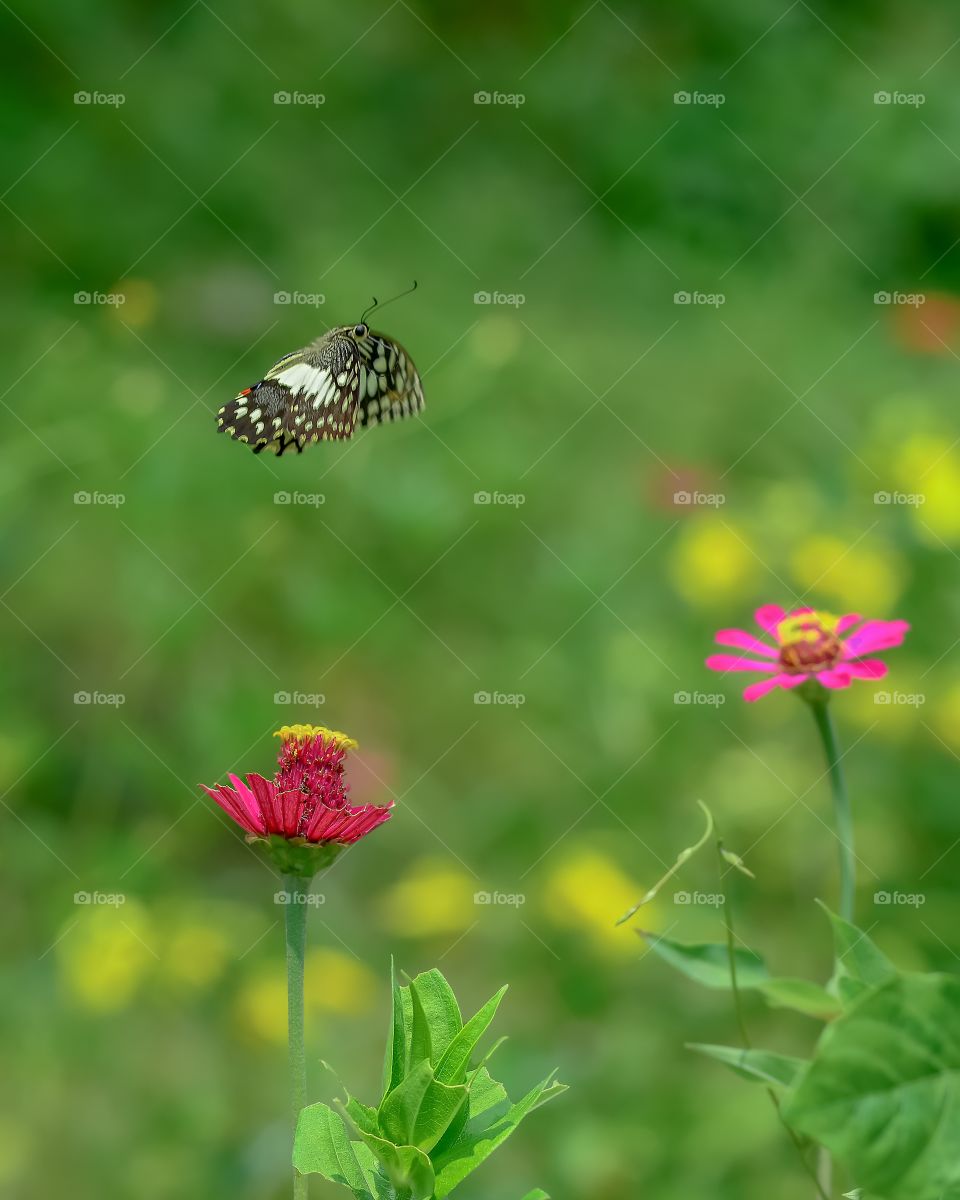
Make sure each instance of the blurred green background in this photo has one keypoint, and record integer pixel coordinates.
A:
(143, 1042)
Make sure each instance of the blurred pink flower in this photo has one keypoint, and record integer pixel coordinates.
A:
(808, 645)
(306, 801)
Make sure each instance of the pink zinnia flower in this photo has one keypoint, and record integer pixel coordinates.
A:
(306, 803)
(808, 645)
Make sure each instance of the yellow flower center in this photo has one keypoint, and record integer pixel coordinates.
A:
(808, 642)
(302, 733)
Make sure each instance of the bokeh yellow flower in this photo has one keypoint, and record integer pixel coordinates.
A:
(106, 954)
(855, 576)
(927, 467)
(433, 897)
(337, 982)
(712, 562)
(587, 891)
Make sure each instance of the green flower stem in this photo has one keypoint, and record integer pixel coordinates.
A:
(295, 927)
(842, 814)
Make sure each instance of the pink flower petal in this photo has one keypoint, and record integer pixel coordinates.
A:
(839, 677)
(867, 668)
(744, 641)
(730, 662)
(231, 804)
(846, 622)
(876, 635)
(248, 799)
(287, 810)
(756, 690)
(768, 617)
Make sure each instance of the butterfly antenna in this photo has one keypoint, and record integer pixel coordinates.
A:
(376, 303)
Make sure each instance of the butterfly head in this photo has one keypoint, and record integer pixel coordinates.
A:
(360, 331)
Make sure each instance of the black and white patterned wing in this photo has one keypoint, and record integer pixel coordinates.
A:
(307, 396)
(388, 385)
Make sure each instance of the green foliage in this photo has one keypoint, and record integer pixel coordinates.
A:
(761, 1065)
(438, 1119)
(708, 963)
(883, 1090)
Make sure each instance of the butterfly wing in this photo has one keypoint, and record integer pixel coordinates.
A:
(388, 384)
(307, 396)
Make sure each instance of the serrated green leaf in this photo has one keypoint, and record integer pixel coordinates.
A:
(486, 1130)
(436, 1017)
(859, 963)
(452, 1067)
(763, 1065)
(323, 1147)
(883, 1090)
(408, 1168)
(708, 962)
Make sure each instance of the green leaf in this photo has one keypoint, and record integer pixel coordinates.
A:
(536, 1194)
(421, 1047)
(409, 1169)
(436, 1016)
(420, 1110)
(401, 1019)
(776, 1069)
(361, 1115)
(452, 1067)
(322, 1147)
(800, 995)
(487, 1127)
(883, 1090)
(860, 965)
(398, 1111)
(708, 962)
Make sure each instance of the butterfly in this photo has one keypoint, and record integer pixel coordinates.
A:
(350, 376)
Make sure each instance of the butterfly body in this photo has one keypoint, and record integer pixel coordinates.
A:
(350, 376)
